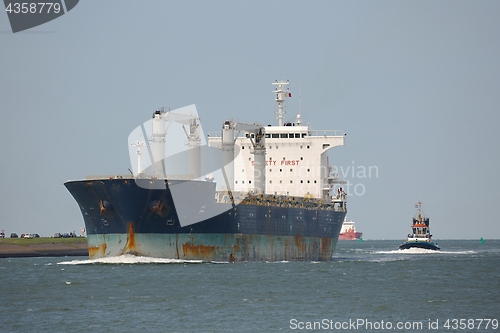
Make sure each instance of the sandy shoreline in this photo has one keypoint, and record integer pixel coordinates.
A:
(43, 250)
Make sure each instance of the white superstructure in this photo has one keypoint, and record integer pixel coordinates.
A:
(348, 226)
(295, 156)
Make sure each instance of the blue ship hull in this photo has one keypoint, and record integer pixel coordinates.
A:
(124, 218)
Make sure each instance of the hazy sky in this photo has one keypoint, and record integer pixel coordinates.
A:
(415, 84)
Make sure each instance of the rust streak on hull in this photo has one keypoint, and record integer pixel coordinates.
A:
(213, 247)
(131, 247)
(326, 250)
(97, 251)
(198, 251)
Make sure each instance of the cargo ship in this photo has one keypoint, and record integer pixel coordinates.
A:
(348, 231)
(420, 236)
(278, 200)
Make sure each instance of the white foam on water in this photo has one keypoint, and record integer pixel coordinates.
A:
(219, 262)
(415, 250)
(129, 259)
(384, 259)
(456, 252)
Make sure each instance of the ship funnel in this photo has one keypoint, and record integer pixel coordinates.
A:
(228, 153)
(158, 143)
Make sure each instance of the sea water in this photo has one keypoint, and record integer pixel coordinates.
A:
(368, 286)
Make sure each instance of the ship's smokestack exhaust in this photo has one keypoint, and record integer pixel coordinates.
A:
(228, 153)
(158, 143)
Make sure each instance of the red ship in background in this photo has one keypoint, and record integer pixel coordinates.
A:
(348, 231)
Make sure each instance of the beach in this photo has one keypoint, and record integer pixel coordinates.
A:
(43, 247)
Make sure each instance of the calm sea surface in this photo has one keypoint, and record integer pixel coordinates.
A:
(368, 286)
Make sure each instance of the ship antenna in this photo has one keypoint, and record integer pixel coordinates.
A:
(281, 94)
(420, 211)
(139, 145)
(300, 96)
(299, 120)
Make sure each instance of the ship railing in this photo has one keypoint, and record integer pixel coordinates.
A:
(331, 183)
(316, 133)
(339, 197)
(123, 176)
(140, 176)
(215, 134)
(326, 133)
(248, 198)
(238, 134)
(339, 202)
(218, 134)
(417, 239)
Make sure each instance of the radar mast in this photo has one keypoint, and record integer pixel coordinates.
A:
(281, 92)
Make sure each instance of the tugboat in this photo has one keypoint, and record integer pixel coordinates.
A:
(421, 235)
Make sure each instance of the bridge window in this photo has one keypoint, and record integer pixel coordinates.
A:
(303, 135)
(284, 135)
(297, 135)
(275, 135)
